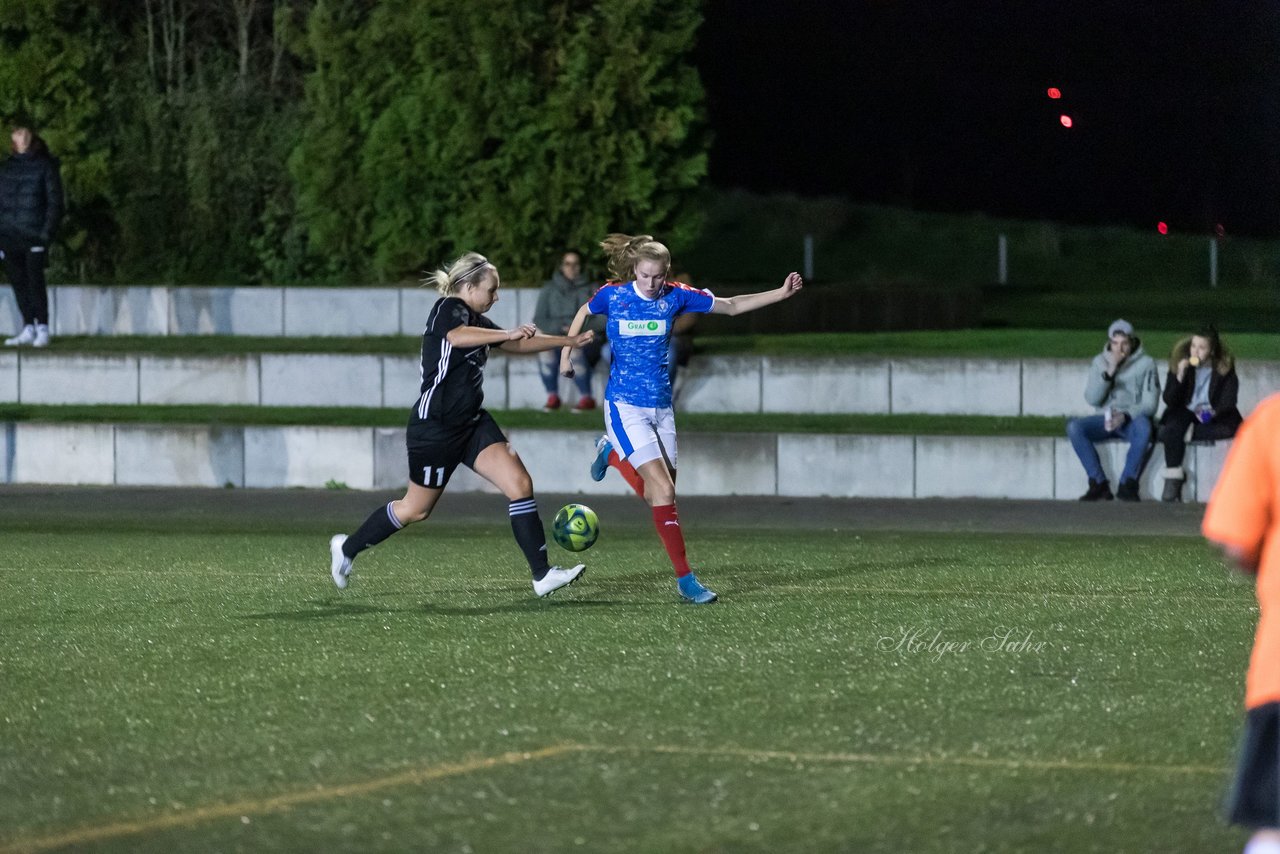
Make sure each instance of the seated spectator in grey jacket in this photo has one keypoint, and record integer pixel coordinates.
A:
(1124, 387)
(558, 302)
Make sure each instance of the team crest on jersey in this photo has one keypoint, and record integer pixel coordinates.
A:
(637, 328)
(663, 306)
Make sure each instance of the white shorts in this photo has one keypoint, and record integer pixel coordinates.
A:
(641, 434)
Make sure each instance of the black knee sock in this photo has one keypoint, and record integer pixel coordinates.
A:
(527, 526)
(381, 524)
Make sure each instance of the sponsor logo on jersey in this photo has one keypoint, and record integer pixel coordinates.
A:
(634, 328)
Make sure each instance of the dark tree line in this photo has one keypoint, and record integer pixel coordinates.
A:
(240, 141)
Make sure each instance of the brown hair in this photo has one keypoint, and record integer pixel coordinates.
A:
(625, 251)
(1220, 356)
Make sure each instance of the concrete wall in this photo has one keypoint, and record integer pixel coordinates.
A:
(846, 466)
(1046, 387)
(308, 456)
(956, 386)
(850, 385)
(984, 467)
(559, 460)
(10, 318)
(179, 455)
(833, 385)
(265, 311)
(97, 310)
(227, 380)
(45, 377)
(220, 311)
(9, 376)
(62, 453)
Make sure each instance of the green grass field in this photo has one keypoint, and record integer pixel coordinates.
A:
(179, 680)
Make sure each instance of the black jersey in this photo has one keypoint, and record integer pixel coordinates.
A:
(452, 378)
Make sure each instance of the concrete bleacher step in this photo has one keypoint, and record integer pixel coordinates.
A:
(850, 384)
(711, 464)
(834, 385)
(295, 311)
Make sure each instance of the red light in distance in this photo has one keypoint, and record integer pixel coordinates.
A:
(1054, 92)
(1065, 120)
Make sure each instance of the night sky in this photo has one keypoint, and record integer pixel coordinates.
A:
(942, 105)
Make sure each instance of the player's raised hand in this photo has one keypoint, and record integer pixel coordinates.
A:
(582, 340)
(524, 330)
(791, 284)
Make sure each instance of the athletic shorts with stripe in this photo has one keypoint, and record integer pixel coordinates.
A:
(641, 434)
(436, 449)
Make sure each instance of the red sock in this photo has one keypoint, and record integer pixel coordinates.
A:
(628, 472)
(667, 521)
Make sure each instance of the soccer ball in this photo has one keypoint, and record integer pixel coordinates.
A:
(575, 527)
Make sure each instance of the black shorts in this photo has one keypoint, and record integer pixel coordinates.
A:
(1255, 796)
(436, 449)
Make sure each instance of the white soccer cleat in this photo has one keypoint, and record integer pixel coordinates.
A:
(42, 336)
(24, 338)
(339, 564)
(557, 578)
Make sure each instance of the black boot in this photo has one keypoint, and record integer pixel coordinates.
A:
(1128, 490)
(1099, 490)
(1174, 477)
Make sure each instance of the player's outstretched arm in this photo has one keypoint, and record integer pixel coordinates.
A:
(541, 341)
(750, 302)
(478, 336)
(575, 329)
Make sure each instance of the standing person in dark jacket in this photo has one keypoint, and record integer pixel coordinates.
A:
(558, 302)
(1200, 392)
(30, 209)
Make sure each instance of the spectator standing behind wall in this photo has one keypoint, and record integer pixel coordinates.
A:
(558, 302)
(1124, 387)
(30, 210)
(1199, 395)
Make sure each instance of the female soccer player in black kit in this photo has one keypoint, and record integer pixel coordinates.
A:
(448, 426)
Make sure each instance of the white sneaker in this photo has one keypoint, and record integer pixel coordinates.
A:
(22, 339)
(42, 336)
(339, 564)
(557, 578)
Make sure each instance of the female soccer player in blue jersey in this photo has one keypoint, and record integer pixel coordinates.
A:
(448, 427)
(640, 427)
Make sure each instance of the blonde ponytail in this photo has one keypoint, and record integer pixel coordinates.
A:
(470, 267)
(625, 251)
